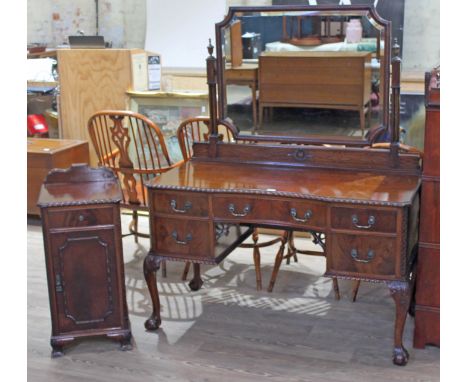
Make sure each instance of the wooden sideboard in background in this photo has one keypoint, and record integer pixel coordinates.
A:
(44, 154)
(329, 80)
(427, 309)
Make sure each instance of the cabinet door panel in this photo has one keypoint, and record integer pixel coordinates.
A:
(85, 279)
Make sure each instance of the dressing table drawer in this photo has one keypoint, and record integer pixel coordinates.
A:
(180, 203)
(364, 219)
(80, 217)
(184, 238)
(368, 255)
(306, 214)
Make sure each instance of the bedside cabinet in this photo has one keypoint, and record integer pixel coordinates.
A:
(83, 249)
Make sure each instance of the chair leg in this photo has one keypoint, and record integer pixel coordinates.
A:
(292, 252)
(278, 260)
(336, 288)
(186, 271)
(197, 282)
(256, 258)
(289, 253)
(135, 226)
(260, 116)
(163, 269)
(356, 285)
(369, 114)
(362, 120)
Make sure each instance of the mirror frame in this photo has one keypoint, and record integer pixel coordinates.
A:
(345, 10)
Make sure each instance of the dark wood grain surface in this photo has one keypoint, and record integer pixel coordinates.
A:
(427, 310)
(83, 248)
(319, 184)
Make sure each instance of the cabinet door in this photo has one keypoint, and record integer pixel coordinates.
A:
(86, 280)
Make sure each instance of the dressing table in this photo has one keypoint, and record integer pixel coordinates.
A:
(362, 198)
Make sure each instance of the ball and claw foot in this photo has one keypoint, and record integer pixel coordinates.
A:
(152, 323)
(400, 356)
(195, 284)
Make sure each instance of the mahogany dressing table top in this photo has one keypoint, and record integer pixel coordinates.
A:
(317, 184)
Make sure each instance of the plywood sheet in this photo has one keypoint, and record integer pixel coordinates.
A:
(91, 80)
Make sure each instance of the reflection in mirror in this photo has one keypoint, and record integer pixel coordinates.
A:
(303, 73)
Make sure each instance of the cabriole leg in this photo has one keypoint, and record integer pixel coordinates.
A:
(150, 267)
(401, 293)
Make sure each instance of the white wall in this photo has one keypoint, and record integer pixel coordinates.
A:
(123, 22)
(179, 30)
(421, 35)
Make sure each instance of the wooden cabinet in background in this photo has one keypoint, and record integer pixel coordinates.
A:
(44, 155)
(83, 249)
(427, 308)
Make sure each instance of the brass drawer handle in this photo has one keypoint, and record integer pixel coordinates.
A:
(307, 215)
(370, 256)
(187, 207)
(232, 210)
(188, 238)
(370, 222)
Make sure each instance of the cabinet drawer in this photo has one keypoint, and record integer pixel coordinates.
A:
(183, 238)
(180, 203)
(306, 214)
(362, 254)
(364, 219)
(234, 75)
(66, 218)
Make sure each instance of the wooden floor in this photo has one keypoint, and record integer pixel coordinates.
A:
(228, 331)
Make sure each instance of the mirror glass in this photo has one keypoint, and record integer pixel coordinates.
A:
(308, 73)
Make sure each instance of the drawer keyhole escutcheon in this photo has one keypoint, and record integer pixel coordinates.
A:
(370, 256)
(307, 215)
(370, 222)
(58, 283)
(300, 155)
(185, 209)
(232, 210)
(188, 238)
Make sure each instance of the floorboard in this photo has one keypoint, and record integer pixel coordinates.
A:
(228, 331)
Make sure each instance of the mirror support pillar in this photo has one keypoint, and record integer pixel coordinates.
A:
(395, 126)
(211, 81)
